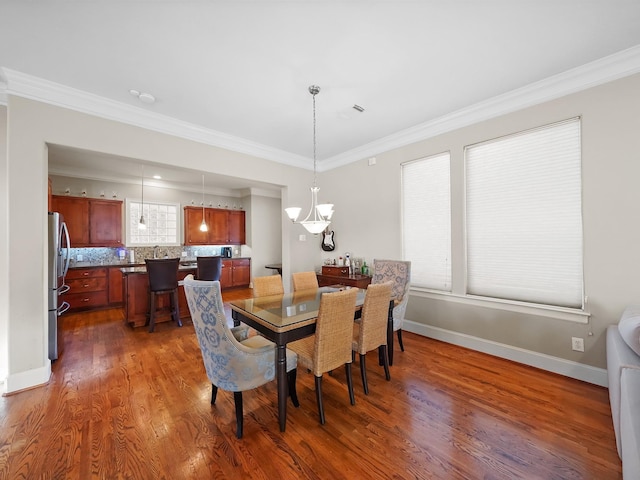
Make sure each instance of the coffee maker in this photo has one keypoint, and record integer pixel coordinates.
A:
(226, 252)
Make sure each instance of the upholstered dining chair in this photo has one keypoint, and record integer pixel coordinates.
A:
(371, 332)
(208, 268)
(163, 278)
(330, 347)
(233, 361)
(399, 272)
(304, 280)
(267, 285)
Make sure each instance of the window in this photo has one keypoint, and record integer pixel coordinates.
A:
(426, 220)
(524, 216)
(162, 221)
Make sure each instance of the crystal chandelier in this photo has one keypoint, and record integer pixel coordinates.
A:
(319, 216)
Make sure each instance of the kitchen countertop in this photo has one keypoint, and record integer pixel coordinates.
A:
(126, 265)
(143, 269)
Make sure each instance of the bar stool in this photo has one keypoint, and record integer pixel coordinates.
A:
(209, 268)
(163, 278)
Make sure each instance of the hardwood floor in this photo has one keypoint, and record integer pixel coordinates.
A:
(124, 403)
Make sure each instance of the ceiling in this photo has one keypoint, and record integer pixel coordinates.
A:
(240, 69)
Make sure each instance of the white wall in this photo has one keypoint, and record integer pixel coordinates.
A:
(4, 248)
(31, 126)
(367, 222)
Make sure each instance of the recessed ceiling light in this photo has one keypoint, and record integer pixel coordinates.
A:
(157, 177)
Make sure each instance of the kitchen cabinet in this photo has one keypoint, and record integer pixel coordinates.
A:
(92, 222)
(225, 227)
(235, 273)
(88, 288)
(115, 279)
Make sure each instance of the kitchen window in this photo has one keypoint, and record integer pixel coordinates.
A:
(162, 220)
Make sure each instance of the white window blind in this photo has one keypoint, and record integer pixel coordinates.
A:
(426, 220)
(162, 220)
(524, 216)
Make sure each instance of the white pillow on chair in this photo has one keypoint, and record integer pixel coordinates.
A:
(629, 327)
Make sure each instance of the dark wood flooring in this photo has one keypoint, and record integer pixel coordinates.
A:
(126, 404)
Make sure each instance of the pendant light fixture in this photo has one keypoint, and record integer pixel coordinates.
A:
(203, 225)
(319, 216)
(142, 225)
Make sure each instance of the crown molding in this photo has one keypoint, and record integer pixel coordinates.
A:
(34, 88)
(607, 69)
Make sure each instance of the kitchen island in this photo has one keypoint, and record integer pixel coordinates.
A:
(236, 273)
(136, 295)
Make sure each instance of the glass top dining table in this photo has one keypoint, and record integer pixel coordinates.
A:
(283, 319)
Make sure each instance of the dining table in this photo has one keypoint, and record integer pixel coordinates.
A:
(288, 317)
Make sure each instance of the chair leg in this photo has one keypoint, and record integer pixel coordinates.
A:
(152, 312)
(293, 393)
(352, 398)
(214, 393)
(319, 398)
(237, 397)
(400, 339)
(385, 362)
(363, 373)
(175, 308)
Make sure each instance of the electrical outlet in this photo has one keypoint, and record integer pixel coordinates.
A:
(79, 258)
(577, 344)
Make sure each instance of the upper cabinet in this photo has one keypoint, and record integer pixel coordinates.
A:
(92, 222)
(225, 227)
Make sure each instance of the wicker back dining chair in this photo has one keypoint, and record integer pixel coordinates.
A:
(233, 360)
(267, 285)
(330, 347)
(399, 272)
(371, 332)
(304, 281)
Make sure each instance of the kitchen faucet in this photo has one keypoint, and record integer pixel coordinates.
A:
(155, 251)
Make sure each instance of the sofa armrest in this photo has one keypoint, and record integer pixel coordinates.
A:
(630, 422)
(619, 356)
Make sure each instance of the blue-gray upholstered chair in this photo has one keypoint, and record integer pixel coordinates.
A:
(399, 272)
(233, 360)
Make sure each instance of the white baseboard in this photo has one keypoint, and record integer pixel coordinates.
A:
(28, 379)
(579, 371)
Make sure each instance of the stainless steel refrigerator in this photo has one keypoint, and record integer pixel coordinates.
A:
(58, 260)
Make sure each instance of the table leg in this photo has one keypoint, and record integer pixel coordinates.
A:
(283, 388)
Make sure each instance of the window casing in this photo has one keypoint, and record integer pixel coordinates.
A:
(426, 219)
(521, 214)
(524, 216)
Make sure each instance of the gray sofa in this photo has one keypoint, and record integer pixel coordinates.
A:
(623, 369)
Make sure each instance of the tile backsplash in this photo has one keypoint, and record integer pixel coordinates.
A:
(111, 256)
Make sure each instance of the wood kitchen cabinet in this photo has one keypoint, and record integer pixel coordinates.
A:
(235, 273)
(92, 222)
(225, 227)
(115, 279)
(88, 288)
